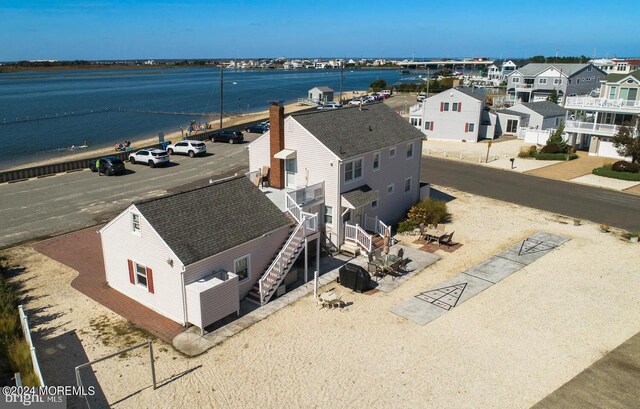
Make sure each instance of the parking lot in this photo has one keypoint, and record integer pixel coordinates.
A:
(52, 205)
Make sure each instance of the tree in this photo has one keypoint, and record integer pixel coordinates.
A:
(553, 97)
(556, 139)
(627, 141)
(378, 85)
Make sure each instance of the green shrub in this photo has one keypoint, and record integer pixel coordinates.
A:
(610, 173)
(406, 226)
(428, 211)
(551, 148)
(556, 156)
(529, 152)
(623, 166)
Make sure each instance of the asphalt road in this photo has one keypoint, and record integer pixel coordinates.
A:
(570, 199)
(49, 206)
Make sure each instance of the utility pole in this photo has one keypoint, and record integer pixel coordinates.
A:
(221, 91)
(341, 73)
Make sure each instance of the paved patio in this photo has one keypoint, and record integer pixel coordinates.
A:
(429, 305)
(82, 251)
(191, 343)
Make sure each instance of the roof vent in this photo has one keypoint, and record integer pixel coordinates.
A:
(370, 128)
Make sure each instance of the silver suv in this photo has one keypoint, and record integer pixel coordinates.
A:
(191, 148)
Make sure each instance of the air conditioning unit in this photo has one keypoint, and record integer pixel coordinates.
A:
(280, 291)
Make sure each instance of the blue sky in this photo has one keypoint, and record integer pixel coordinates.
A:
(103, 29)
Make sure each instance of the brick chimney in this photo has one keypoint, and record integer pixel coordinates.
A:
(276, 143)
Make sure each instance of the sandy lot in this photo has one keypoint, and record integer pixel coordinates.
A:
(507, 347)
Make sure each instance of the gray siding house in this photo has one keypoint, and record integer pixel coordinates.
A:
(194, 266)
(535, 115)
(457, 114)
(535, 82)
(321, 94)
(365, 161)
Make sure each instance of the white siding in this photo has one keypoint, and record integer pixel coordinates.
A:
(450, 125)
(392, 170)
(259, 153)
(120, 244)
(261, 250)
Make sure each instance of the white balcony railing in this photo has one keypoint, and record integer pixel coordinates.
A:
(603, 104)
(591, 128)
(526, 87)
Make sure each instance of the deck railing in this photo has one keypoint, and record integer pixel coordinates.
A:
(358, 235)
(602, 104)
(376, 225)
(24, 323)
(591, 127)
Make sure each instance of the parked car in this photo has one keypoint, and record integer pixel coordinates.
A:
(421, 96)
(386, 93)
(257, 128)
(108, 166)
(151, 157)
(191, 148)
(330, 105)
(358, 101)
(228, 135)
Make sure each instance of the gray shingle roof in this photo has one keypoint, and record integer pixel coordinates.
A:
(360, 196)
(536, 68)
(470, 92)
(349, 131)
(323, 89)
(545, 108)
(199, 223)
(510, 112)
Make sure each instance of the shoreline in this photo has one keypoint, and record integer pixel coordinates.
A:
(173, 136)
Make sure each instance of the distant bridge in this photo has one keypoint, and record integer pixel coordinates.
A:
(443, 63)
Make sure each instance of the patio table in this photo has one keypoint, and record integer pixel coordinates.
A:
(386, 260)
(435, 234)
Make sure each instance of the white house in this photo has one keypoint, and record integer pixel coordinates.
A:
(365, 161)
(541, 115)
(457, 114)
(192, 256)
(321, 94)
(593, 122)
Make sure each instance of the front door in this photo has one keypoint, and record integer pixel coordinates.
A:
(357, 218)
(290, 173)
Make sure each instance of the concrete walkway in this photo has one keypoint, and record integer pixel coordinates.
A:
(191, 343)
(429, 305)
(567, 170)
(604, 182)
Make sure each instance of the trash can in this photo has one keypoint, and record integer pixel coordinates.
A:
(165, 144)
(354, 277)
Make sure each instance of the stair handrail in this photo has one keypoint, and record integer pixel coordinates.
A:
(363, 238)
(278, 259)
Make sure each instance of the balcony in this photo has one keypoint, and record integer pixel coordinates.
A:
(523, 87)
(603, 104)
(591, 128)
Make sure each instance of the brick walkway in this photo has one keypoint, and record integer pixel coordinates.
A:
(572, 169)
(82, 251)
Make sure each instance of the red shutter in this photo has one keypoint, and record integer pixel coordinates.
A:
(150, 280)
(466, 127)
(441, 106)
(431, 126)
(132, 279)
(459, 106)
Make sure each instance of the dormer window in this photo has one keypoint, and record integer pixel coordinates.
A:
(135, 223)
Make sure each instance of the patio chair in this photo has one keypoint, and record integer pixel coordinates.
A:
(441, 227)
(446, 239)
(377, 253)
(370, 257)
(257, 179)
(403, 265)
(374, 270)
(394, 268)
(401, 253)
(264, 176)
(423, 232)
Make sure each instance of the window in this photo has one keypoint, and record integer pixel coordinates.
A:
(589, 69)
(328, 215)
(557, 121)
(407, 185)
(416, 122)
(612, 92)
(512, 125)
(392, 152)
(353, 170)
(516, 80)
(428, 125)
(410, 150)
(376, 161)
(557, 81)
(454, 107)
(135, 222)
(446, 106)
(542, 80)
(471, 127)
(390, 189)
(577, 80)
(141, 275)
(241, 267)
(374, 204)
